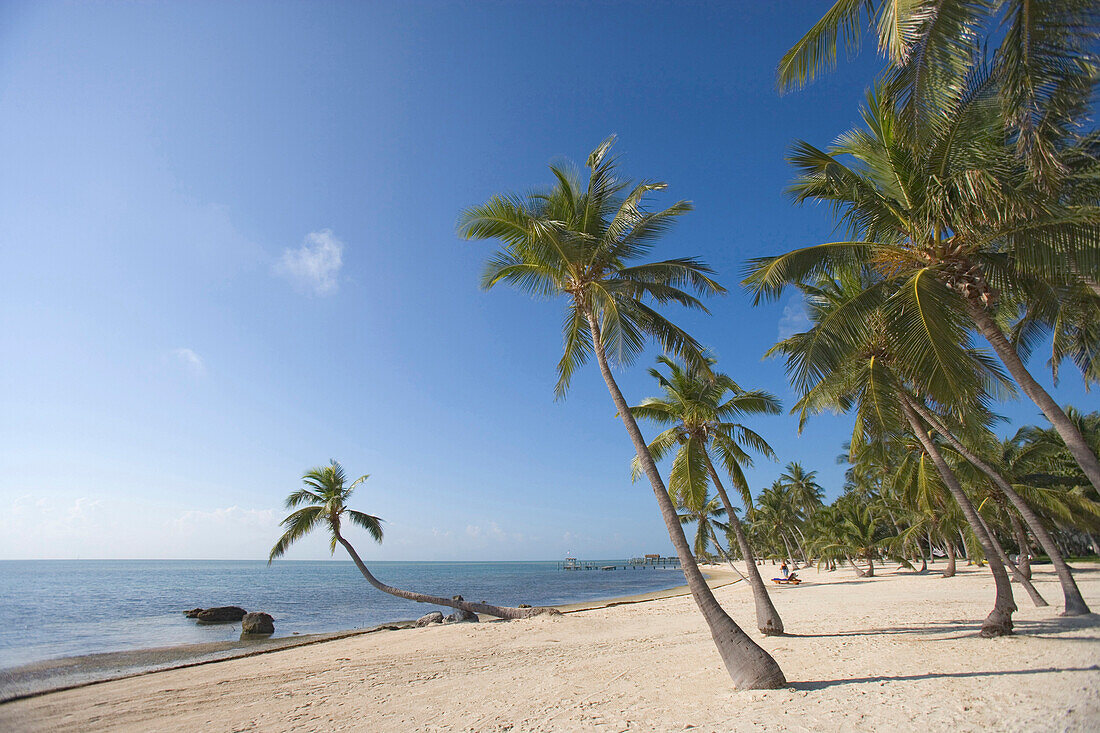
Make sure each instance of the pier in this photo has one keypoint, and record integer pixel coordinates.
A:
(634, 563)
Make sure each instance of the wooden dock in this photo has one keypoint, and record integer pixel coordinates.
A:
(635, 563)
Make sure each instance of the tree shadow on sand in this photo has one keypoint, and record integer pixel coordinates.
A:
(823, 684)
(1049, 628)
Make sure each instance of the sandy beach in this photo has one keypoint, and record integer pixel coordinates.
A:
(897, 652)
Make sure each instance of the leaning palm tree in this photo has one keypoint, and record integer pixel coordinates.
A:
(578, 242)
(701, 409)
(871, 364)
(983, 178)
(325, 497)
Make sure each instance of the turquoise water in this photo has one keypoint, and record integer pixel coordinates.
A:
(60, 608)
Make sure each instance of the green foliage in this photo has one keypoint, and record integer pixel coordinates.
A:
(580, 241)
(325, 493)
(703, 407)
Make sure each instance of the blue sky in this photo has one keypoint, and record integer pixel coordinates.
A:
(227, 253)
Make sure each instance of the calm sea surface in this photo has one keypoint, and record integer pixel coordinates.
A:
(60, 608)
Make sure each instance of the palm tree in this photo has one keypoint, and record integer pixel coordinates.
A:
(859, 537)
(700, 408)
(778, 514)
(803, 487)
(870, 362)
(576, 242)
(707, 519)
(977, 170)
(1044, 59)
(1074, 602)
(805, 492)
(823, 538)
(325, 497)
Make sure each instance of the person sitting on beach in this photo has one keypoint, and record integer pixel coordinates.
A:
(783, 569)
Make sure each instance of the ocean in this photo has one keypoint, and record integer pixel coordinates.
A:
(61, 608)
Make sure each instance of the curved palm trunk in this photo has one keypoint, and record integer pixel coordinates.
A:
(767, 618)
(1037, 599)
(727, 555)
(1072, 437)
(949, 571)
(999, 620)
(1075, 603)
(859, 573)
(498, 611)
(965, 550)
(802, 546)
(790, 555)
(749, 666)
(1025, 550)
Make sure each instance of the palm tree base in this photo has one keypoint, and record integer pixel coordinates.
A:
(1075, 609)
(997, 623)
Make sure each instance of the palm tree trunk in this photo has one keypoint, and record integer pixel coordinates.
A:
(965, 550)
(859, 573)
(949, 571)
(999, 620)
(1075, 603)
(1024, 563)
(767, 618)
(790, 555)
(802, 546)
(870, 566)
(1072, 437)
(748, 665)
(728, 556)
(498, 611)
(1037, 599)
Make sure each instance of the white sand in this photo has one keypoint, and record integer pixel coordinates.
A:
(897, 652)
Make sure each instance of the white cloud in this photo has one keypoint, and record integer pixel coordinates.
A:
(491, 533)
(45, 526)
(314, 266)
(230, 517)
(192, 361)
(795, 318)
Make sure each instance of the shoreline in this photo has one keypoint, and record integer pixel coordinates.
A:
(74, 672)
(898, 651)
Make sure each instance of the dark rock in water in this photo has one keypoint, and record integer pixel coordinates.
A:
(435, 617)
(221, 615)
(256, 624)
(193, 613)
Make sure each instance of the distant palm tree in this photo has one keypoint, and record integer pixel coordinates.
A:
(802, 489)
(701, 409)
(578, 242)
(325, 495)
(858, 537)
(707, 520)
(777, 514)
